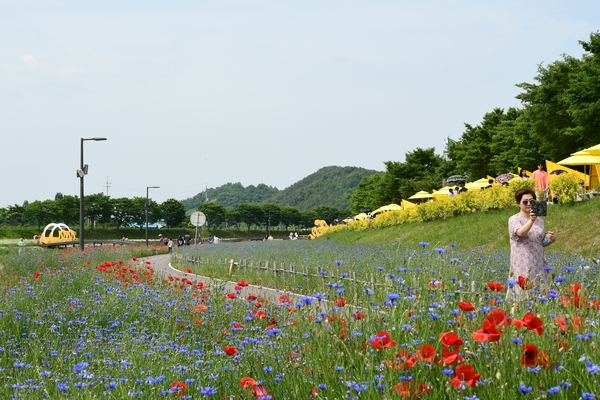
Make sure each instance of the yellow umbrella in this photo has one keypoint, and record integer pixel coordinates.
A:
(594, 150)
(360, 216)
(478, 184)
(586, 157)
(581, 158)
(441, 192)
(389, 207)
(421, 195)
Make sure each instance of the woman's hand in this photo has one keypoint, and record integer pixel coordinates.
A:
(532, 216)
(551, 237)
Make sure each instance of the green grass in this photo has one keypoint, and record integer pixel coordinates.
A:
(577, 228)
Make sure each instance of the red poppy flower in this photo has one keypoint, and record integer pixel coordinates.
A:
(285, 299)
(188, 270)
(530, 355)
(426, 353)
(450, 339)
(358, 315)
(523, 283)
(531, 322)
(230, 351)
(197, 322)
(231, 295)
(450, 357)
(499, 317)
(237, 325)
(489, 332)
(402, 360)
(383, 341)
(134, 258)
(495, 286)
(464, 373)
(243, 283)
(179, 388)
(466, 306)
(340, 302)
(251, 297)
(247, 382)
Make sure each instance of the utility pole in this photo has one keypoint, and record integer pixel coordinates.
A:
(107, 186)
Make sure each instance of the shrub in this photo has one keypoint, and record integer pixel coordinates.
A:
(565, 186)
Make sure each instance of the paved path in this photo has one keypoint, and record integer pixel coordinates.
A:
(162, 265)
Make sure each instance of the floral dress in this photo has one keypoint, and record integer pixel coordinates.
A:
(527, 258)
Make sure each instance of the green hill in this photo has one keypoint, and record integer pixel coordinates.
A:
(329, 186)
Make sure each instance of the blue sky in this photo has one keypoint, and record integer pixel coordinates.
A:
(195, 93)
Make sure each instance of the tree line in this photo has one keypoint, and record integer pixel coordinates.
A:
(560, 115)
(126, 212)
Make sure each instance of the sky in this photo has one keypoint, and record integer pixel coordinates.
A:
(201, 93)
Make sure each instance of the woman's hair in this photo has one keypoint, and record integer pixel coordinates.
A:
(521, 192)
(523, 173)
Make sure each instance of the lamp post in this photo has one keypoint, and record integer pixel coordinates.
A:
(81, 173)
(148, 206)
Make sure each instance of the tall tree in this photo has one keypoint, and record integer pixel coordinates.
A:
(41, 212)
(173, 212)
(214, 212)
(122, 211)
(68, 210)
(250, 214)
(97, 208)
(290, 216)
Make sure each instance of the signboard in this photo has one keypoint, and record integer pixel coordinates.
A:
(197, 218)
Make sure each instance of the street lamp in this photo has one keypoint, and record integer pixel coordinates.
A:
(147, 206)
(80, 174)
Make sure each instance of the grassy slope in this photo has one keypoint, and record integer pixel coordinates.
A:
(577, 228)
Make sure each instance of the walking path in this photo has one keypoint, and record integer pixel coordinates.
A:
(162, 265)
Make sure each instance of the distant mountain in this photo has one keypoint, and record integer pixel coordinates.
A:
(329, 186)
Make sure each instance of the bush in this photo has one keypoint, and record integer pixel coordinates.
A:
(565, 186)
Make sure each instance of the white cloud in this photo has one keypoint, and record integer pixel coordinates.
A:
(29, 61)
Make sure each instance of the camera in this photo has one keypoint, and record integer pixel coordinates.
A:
(539, 208)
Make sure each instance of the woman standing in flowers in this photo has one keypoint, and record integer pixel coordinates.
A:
(528, 237)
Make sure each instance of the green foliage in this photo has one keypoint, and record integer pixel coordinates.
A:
(173, 212)
(215, 213)
(565, 186)
(231, 195)
(250, 214)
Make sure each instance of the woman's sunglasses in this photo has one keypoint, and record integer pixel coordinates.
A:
(527, 202)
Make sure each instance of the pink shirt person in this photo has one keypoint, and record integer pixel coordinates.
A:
(541, 178)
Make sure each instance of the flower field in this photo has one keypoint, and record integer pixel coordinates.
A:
(402, 321)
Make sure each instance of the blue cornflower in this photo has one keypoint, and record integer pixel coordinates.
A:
(368, 292)
(338, 262)
(393, 296)
(307, 300)
(554, 390)
(208, 391)
(525, 389)
(423, 244)
(511, 282)
(440, 250)
(568, 269)
(592, 368)
(62, 387)
(268, 369)
(322, 386)
(560, 279)
(587, 396)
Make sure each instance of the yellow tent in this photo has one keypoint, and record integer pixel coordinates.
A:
(551, 166)
(407, 204)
